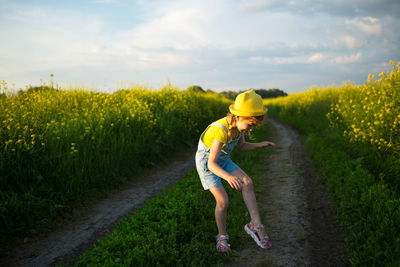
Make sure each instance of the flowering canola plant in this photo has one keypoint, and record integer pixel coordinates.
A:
(371, 113)
(366, 114)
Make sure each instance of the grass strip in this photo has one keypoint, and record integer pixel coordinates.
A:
(369, 209)
(177, 228)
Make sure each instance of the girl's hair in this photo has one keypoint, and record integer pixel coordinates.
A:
(232, 118)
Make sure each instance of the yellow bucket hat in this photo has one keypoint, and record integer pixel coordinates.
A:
(248, 104)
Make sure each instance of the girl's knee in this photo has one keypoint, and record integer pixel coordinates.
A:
(221, 197)
(247, 183)
(223, 203)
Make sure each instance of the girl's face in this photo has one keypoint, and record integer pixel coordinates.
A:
(243, 124)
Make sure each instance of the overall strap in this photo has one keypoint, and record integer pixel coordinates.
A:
(226, 130)
(214, 123)
(223, 127)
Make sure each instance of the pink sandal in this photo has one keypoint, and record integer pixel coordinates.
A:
(222, 243)
(253, 230)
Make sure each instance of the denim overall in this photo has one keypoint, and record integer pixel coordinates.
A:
(208, 178)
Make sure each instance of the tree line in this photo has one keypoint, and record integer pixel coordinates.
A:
(264, 93)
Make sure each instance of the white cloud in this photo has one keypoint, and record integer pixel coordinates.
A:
(317, 57)
(179, 29)
(347, 59)
(42, 38)
(368, 25)
(349, 41)
(256, 5)
(302, 59)
(142, 59)
(340, 8)
(279, 60)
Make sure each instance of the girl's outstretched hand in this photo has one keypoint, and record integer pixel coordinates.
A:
(234, 182)
(267, 143)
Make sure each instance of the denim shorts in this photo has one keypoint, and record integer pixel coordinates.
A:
(208, 178)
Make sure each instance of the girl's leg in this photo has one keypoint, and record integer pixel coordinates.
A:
(221, 207)
(222, 201)
(249, 198)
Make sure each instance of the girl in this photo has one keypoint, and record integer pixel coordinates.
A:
(213, 163)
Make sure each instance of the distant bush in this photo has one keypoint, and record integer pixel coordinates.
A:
(37, 89)
(195, 88)
(264, 93)
(270, 93)
(229, 94)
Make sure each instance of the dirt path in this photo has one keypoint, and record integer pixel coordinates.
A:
(294, 207)
(94, 222)
(295, 210)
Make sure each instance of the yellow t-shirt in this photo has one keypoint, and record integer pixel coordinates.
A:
(216, 132)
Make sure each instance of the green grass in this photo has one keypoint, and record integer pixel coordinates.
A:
(177, 228)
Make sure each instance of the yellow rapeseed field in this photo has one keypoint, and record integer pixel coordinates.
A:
(367, 113)
(35, 119)
(57, 146)
(371, 113)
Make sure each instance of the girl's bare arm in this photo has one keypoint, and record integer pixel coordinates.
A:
(245, 146)
(213, 166)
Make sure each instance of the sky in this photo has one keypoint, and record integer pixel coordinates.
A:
(217, 44)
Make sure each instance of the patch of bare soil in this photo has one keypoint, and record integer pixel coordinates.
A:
(93, 222)
(295, 209)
